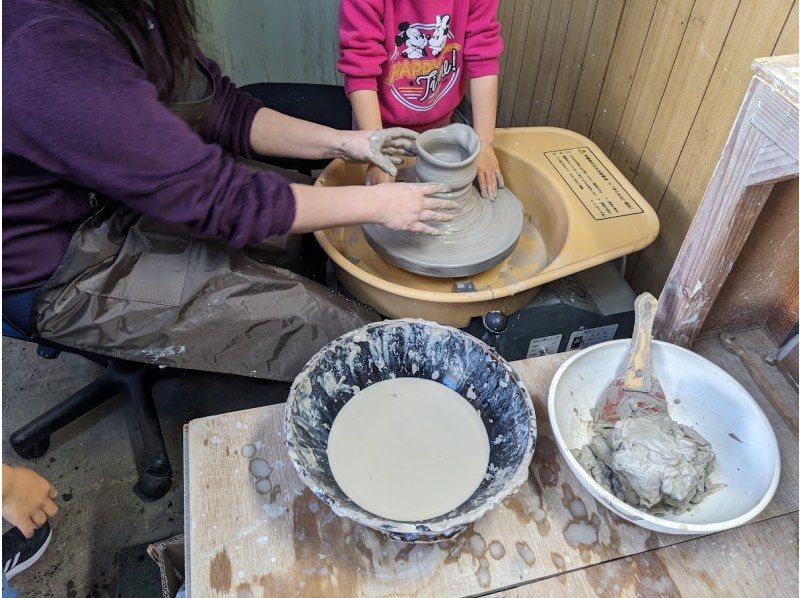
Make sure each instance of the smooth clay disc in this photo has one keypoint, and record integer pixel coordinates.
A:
(482, 234)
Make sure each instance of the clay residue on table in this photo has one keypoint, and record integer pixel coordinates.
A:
(333, 554)
(220, 572)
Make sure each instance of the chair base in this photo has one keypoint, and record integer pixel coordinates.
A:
(134, 380)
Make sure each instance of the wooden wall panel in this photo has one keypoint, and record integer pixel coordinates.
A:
(554, 41)
(538, 24)
(605, 26)
(655, 83)
(633, 30)
(572, 58)
(256, 41)
(505, 15)
(754, 32)
(514, 29)
(652, 74)
(787, 42)
(697, 56)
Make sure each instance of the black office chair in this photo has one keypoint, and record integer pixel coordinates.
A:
(135, 380)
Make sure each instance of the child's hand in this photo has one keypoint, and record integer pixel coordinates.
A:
(489, 177)
(375, 176)
(383, 147)
(28, 499)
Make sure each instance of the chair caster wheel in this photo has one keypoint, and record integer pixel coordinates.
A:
(33, 451)
(152, 487)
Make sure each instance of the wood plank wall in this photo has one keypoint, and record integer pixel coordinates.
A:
(655, 83)
(256, 40)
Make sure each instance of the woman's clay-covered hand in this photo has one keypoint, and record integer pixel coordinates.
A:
(401, 206)
(384, 148)
(28, 499)
(489, 177)
(375, 176)
(405, 206)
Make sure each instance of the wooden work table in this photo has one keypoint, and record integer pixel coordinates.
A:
(287, 543)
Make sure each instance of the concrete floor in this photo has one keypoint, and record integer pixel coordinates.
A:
(92, 464)
(92, 461)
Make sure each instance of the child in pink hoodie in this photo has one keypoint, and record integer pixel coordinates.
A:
(406, 63)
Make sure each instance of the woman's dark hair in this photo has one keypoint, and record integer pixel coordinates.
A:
(175, 20)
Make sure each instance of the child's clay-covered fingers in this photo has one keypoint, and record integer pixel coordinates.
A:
(501, 184)
(420, 227)
(483, 185)
(433, 216)
(489, 185)
(491, 178)
(396, 160)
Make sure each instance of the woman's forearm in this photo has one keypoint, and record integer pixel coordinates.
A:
(276, 134)
(324, 207)
(366, 109)
(483, 92)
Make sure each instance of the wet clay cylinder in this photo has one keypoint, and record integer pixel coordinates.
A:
(482, 233)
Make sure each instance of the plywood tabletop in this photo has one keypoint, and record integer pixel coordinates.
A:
(758, 559)
(286, 542)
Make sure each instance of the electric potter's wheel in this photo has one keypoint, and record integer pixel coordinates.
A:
(482, 234)
(563, 232)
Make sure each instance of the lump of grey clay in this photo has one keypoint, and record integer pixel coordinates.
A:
(260, 468)
(650, 461)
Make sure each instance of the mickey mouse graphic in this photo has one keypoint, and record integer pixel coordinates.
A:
(415, 40)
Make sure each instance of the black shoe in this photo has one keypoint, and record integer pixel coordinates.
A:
(19, 552)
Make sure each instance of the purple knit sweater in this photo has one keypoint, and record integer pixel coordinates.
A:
(79, 115)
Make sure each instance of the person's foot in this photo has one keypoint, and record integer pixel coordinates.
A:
(19, 552)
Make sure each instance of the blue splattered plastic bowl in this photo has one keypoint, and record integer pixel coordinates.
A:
(420, 349)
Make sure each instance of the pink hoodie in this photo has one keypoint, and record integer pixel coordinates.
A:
(417, 54)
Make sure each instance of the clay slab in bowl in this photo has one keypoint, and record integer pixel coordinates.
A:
(700, 395)
(420, 349)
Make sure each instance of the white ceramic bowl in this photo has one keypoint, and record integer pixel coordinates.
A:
(709, 400)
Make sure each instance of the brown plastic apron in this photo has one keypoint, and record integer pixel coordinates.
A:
(135, 288)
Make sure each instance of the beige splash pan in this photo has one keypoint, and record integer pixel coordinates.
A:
(585, 211)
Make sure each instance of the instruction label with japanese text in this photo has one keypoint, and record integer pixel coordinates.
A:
(595, 187)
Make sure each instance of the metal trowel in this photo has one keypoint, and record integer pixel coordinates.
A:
(635, 390)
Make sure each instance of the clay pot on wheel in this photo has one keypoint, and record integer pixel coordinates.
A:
(482, 232)
(448, 155)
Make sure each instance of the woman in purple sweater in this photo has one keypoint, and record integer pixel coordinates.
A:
(128, 218)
